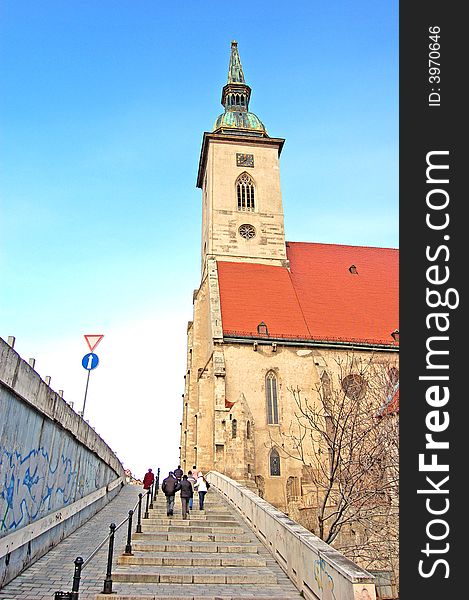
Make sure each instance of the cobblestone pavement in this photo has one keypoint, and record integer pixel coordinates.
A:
(54, 571)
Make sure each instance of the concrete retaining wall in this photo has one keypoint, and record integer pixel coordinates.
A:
(319, 571)
(55, 470)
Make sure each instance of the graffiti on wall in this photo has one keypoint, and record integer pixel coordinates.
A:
(43, 468)
(31, 486)
(323, 579)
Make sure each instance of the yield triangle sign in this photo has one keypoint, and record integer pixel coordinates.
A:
(93, 340)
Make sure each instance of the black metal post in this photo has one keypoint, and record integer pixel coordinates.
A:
(147, 514)
(76, 577)
(73, 595)
(128, 546)
(139, 514)
(107, 589)
(151, 495)
(157, 483)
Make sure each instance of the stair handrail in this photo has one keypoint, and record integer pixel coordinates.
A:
(80, 563)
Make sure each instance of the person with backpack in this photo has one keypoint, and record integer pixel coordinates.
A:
(186, 495)
(169, 488)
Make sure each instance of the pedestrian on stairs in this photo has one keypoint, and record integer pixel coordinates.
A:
(193, 481)
(178, 473)
(169, 488)
(186, 495)
(148, 479)
(201, 486)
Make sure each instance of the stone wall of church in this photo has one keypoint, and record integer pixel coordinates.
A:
(197, 410)
(247, 370)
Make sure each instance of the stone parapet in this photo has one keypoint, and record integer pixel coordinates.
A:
(318, 571)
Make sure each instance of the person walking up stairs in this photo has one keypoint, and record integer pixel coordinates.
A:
(186, 495)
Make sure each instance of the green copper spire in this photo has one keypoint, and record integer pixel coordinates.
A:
(235, 98)
(235, 70)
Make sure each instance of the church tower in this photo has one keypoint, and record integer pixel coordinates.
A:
(239, 174)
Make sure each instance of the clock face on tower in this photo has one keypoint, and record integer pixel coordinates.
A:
(244, 160)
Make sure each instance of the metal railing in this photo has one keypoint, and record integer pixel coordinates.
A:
(80, 563)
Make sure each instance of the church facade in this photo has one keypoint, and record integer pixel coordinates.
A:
(272, 318)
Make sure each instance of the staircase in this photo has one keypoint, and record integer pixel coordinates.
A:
(212, 555)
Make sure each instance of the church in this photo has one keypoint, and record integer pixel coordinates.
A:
(272, 318)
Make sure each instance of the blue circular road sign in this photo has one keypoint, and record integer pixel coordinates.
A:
(90, 361)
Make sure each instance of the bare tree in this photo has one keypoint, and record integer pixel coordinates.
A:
(345, 433)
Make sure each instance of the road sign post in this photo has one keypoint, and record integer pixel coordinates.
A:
(90, 361)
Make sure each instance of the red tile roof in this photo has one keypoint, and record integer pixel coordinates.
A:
(318, 298)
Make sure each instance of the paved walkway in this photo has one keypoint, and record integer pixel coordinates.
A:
(54, 571)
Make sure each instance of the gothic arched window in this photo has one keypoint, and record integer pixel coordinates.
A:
(248, 430)
(245, 192)
(271, 398)
(274, 460)
(234, 428)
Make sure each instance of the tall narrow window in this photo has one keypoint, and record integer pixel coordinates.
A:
(234, 428)
(274, 463)
(248, 430)
(245, 192)
(271, 398)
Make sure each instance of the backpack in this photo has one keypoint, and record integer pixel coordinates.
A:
(206, 483)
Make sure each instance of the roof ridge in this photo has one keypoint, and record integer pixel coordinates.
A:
(344, 245)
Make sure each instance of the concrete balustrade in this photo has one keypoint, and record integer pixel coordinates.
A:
(317, 570)
(55, 471)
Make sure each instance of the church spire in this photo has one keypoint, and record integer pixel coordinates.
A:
(235, 70)
(235, 98)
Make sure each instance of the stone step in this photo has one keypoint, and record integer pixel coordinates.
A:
(164, 546)
(186, 526)
(162, 512)
(193, 559)
(193, 518)
(216, 508)
(198, 592)
(180, 575)
(192, 537)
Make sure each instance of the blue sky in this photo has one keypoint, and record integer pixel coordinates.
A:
(102, 112)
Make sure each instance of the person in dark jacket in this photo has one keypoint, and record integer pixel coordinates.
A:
(186, 495)
(178, 473)
(169, 487)
(148, 479)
